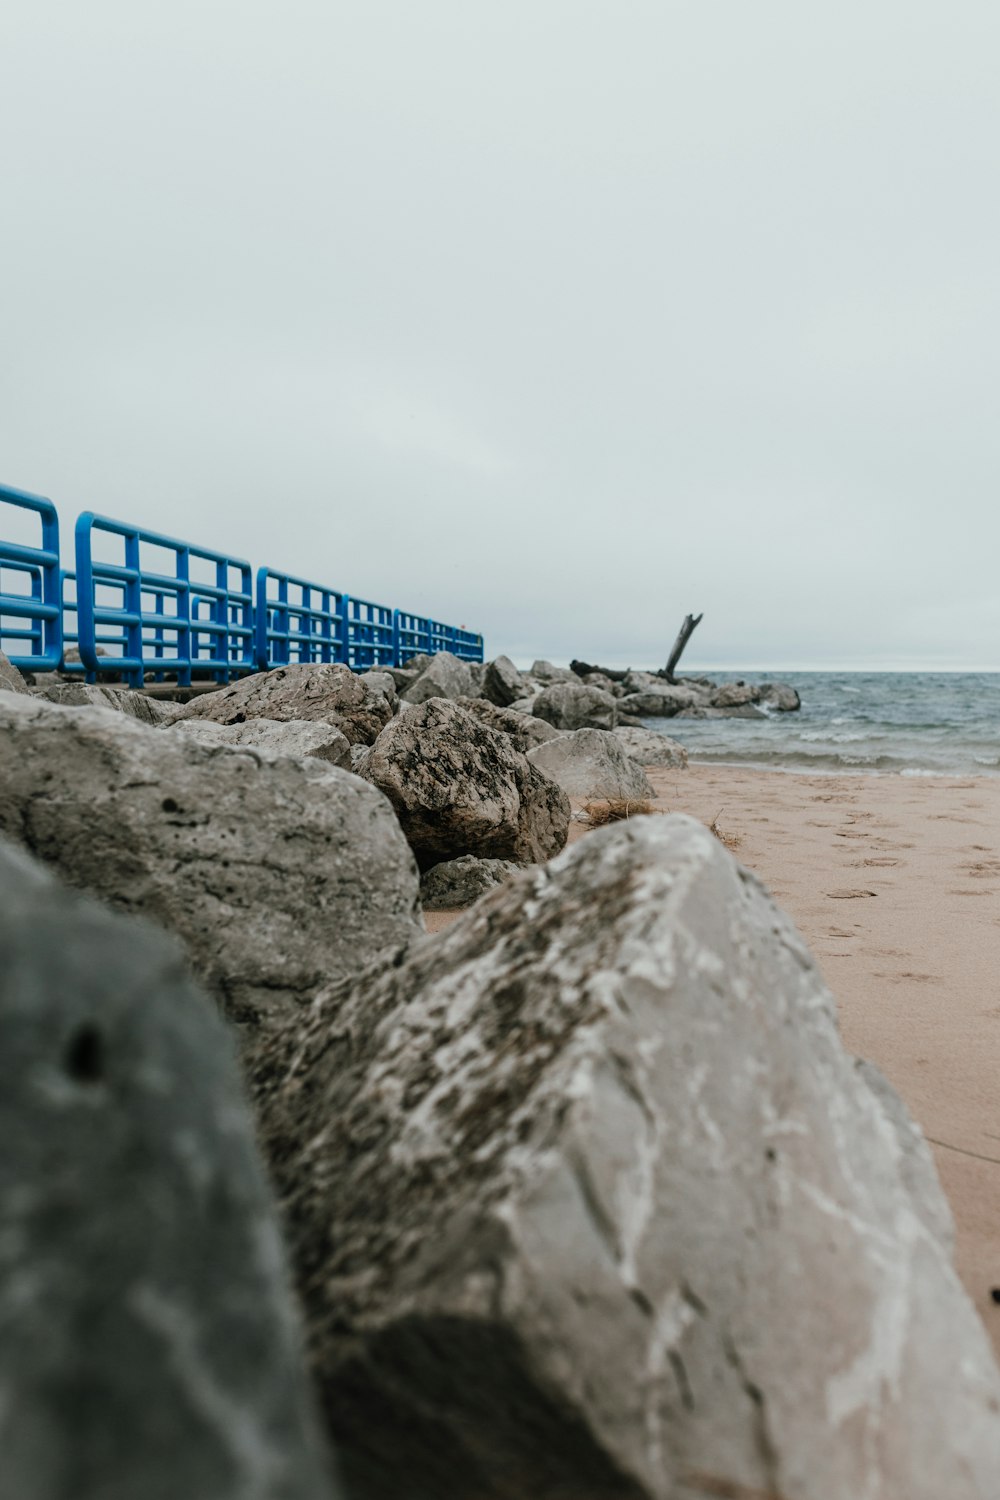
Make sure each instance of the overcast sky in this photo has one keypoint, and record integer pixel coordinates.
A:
(550, 318)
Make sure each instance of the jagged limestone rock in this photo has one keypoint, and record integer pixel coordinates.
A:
(588, 1200)
(275, 873)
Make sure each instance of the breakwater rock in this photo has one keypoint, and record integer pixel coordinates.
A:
(151, 1347)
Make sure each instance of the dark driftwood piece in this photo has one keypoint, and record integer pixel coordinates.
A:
(683, 636)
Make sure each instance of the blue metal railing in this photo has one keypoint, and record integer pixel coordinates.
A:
(158, 608)
(150, 621)
(298, 621)
(30, 597)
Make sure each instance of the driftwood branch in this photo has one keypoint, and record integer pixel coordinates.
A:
(683, 636)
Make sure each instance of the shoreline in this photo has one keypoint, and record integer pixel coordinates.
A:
(894, 882)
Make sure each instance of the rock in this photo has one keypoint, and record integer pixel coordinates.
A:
(381, 682)
(744, 711)
(576, 707)
(298, 738)
(11, 680)
(733, 695)
(502, 682)
(591, 763)
(403, 677)
(589, 1200)
(662, 703)
(151, 1347)
(477, 671)
(544, 671)
(460, 787)
(779, 696)
(651, 749)
(119, 700)
(523, 729)
(598, 680)
(275, 873)
(643, 682)
(328, 692)
(460, 882)
(525, 705)
(446, 676)
(359, 758)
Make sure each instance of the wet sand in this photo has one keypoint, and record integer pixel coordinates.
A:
(895, 884)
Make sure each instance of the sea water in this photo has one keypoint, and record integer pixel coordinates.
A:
(907, 723)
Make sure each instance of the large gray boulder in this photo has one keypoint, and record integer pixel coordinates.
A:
(150, 1346)
(502, 682)
(588, 1199)
(11, 680)
(299, 738)
(444, 676)
(738, 711)
(650, 748)
(734, 695)
(457, 883)
(331, 693)
(524, 730)
(276, 873)
(460, 787)
(576, 707)
(591, 763)
(119, 700)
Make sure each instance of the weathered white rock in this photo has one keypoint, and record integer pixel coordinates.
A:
(119, 700)
(571, 707)
(457, 883)
(591, 763)
(460, 787)
(445, 676)
(381, 682)
(649, 748)
(331, 693)
(11, 680)
(502, 682)
(275, 873)
(588, 1196)
(298, 738)
(151, 1349)
(524, 730)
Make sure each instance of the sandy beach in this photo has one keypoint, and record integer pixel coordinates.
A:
(895, 883)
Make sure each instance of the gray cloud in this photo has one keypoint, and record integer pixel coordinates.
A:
(557, 320)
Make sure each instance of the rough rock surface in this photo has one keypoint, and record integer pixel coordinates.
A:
(445, 676)
(651, 749)
(662, 702)
(523, 729)
(459, 882)
(275, 873)
(741, 711)
(460, 787)
(591, 763)
(576, 707)
(381, 682)
(544, 671)
(331, 693)
(780, 696)
(150, 1343)
(502, 682)
(733, 695)
(120, 700)
(11, 680)
(588, 1200)
(298, 738)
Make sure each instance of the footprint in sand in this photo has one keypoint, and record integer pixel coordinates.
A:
(839, 932)
(908, 977)
(849, 895)
(880, 863)
(983, 869)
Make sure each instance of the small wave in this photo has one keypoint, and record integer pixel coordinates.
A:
(922, 771)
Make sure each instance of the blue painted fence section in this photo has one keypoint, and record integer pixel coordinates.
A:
(165, 607)
(30, 588)
(140, 604)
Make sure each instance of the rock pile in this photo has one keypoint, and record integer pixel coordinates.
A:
(583, 1196)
